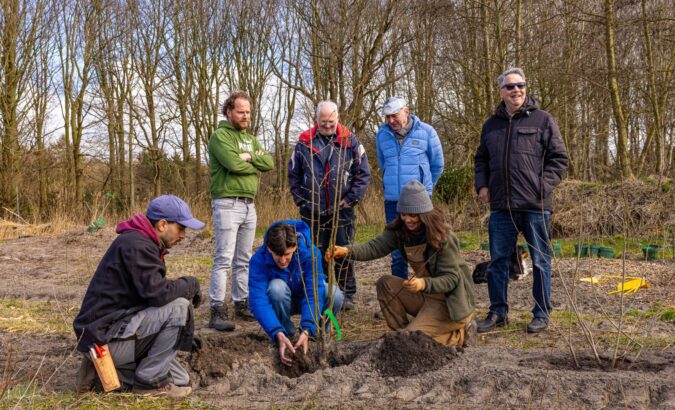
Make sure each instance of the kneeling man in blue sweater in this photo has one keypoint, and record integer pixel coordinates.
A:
(286, 278)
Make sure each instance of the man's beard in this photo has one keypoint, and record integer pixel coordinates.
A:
(241, 125)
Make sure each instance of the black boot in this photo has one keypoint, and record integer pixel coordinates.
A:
(219, 320)
(242, 311)
(538, 324)
(491, 321)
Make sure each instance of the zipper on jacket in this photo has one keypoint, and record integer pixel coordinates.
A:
(507, 168)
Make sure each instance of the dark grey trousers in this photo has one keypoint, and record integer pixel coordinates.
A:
(144, 347)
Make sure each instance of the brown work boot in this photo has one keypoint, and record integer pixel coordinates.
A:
(170, 390)
(470, 334)
(242, 311)
(219, 320)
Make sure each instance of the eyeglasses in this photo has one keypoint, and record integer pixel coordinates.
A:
(511, 86)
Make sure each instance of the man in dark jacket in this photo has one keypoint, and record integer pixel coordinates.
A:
(286, 278)
(130, 305)
(520, 160)
(329, 174)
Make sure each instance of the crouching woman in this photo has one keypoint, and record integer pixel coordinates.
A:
(440, 294)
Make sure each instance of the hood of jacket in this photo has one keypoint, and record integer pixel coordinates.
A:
(139, 223)
(342, 133)
(528, 106)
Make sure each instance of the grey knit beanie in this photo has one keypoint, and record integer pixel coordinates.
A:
(414, 199)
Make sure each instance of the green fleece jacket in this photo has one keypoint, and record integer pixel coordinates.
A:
(231, 175)
(449, 272)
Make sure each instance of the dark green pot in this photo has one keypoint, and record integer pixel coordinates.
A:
(485, 246)
(650, 252)
(557, 250)
(605, 252)
(581, 250)
(593, 250)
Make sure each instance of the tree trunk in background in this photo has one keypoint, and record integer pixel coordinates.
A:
(519, 18)
(9, 100)
(487, 59)
(20, 25)
(623, 159)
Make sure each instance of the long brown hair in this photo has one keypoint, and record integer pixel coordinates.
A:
(436, 224)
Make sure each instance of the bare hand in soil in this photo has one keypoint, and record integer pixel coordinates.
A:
(414, 285)
(302, 342)
(284, 344)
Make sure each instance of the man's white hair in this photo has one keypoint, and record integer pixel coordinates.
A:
(513, 70)
(326, 105)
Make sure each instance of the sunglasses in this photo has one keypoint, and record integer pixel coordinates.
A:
(511, 86)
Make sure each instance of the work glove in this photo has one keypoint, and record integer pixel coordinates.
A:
(193, 292)
(337, 252)
(197, 299)
(414, 285)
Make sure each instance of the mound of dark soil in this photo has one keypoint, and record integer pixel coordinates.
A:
(410, 353)
(220, 350)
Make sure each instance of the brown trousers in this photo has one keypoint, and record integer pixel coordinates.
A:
(430, 312)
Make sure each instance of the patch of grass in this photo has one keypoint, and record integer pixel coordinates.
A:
(608, 341)
(668, 315)
(470, 240)
(185, 265)
(364, 233)
(36, 317)
(22, 396)
(664, 313)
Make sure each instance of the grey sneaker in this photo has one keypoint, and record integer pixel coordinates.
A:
(470, 334)
(219, 320)
(170, 390)
(242, 311)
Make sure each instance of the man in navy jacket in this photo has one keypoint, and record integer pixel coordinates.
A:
(286, 278)
(519, 162)
(328, 175)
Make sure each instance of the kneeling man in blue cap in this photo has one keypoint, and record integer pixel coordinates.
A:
(130, 305)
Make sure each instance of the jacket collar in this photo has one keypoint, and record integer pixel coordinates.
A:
(342, 136)
(413, 119)
(528, 106)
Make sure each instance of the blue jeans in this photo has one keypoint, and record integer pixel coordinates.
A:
(234, 230)
(286, 303)
(503, 230)
(399, 267)
(323, 230)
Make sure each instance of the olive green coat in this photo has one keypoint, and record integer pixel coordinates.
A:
(449, 273)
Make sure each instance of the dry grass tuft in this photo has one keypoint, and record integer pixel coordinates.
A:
(15, 230)
(633, 208)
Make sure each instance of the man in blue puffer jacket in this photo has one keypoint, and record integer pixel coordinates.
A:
(407, 149)
(286, 278)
